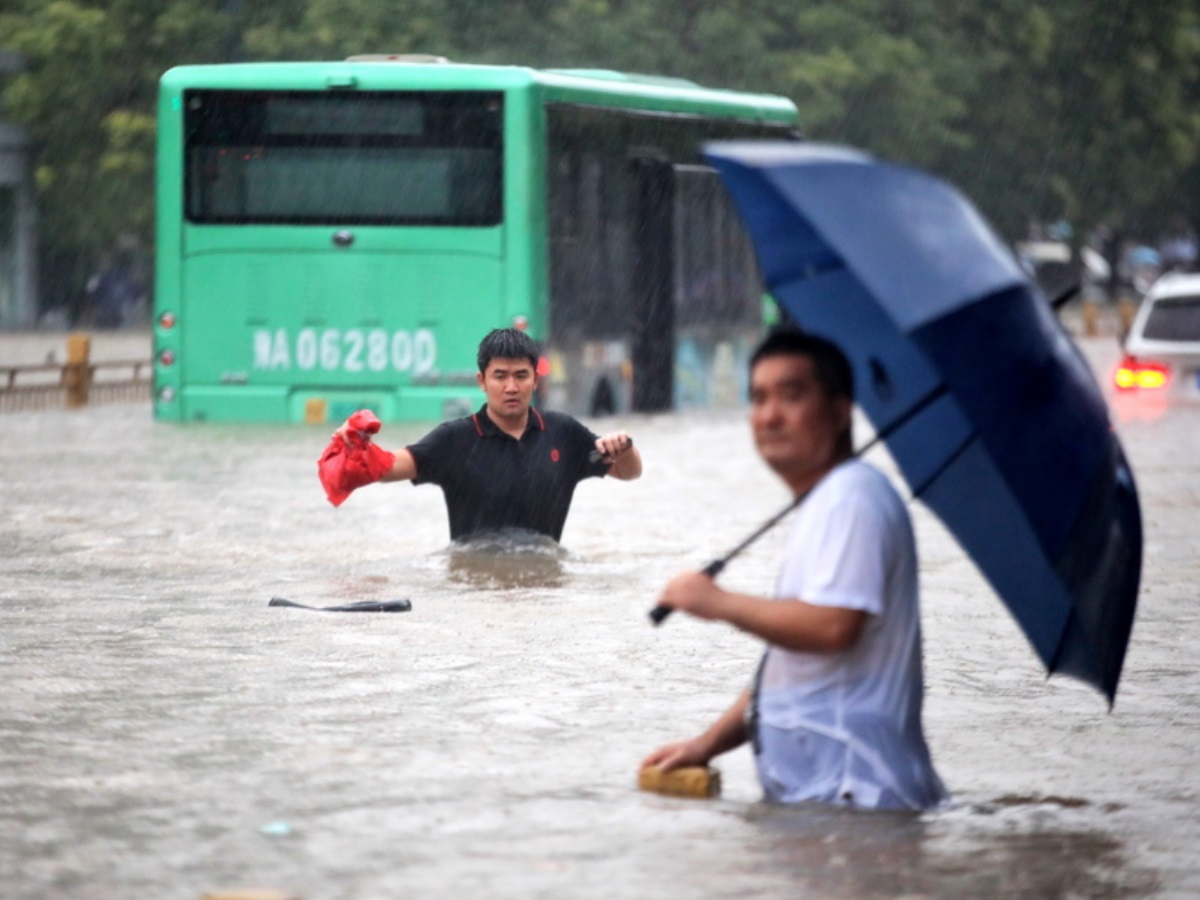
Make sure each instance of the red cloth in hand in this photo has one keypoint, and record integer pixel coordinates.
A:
(351, 463)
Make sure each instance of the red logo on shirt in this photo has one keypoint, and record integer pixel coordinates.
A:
(553, 456)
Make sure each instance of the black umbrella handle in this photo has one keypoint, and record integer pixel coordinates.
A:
(712, 570)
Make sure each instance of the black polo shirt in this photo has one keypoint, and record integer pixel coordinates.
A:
(493, 481)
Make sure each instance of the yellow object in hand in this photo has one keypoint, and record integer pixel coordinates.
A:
(689, 781)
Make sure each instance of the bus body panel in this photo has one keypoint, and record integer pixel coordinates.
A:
(377, 319)
(270, 309)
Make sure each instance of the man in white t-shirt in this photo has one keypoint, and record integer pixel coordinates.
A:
(835, 713)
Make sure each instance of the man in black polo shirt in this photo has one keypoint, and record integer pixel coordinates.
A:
(509, 466)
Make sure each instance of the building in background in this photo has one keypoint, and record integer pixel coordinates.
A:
(18, 268)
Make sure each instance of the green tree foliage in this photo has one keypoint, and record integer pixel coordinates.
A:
(88, 99)
(1079, 110)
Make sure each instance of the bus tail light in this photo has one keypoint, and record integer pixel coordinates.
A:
(1135, 374)
(167, 357)
(166, 321)
(520, 323)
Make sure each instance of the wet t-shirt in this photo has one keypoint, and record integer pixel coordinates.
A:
(492, 481)
(846, 727)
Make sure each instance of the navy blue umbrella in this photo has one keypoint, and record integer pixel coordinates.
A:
(989, 410)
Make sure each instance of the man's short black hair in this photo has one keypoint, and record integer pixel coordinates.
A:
(830, 365)
(506, 343)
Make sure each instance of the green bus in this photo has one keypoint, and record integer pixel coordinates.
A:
(340, 235)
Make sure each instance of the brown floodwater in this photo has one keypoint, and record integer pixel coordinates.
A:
(164, 732)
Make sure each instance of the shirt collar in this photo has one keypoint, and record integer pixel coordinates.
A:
(485, 427)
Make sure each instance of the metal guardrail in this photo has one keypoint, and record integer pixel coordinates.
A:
(76, 383)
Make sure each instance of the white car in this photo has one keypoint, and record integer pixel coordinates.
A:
(1162, 349)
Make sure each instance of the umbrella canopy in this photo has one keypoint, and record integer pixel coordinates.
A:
(991, 413)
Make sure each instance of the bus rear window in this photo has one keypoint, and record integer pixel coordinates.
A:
(1174, 319)
(362, 158)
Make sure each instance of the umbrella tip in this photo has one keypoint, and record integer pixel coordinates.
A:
(1065, 295)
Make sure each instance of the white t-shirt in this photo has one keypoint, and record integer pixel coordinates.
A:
(846, 727)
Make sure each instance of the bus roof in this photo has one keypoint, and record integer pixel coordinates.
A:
(598, 87)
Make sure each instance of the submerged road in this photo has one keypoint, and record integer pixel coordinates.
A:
(164, 732)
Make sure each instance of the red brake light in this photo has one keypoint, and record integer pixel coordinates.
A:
(167, 358)
(166, 321)
(1135, 374)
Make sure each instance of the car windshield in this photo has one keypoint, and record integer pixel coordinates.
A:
(1174, 319)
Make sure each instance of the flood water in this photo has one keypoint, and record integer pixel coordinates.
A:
(165, 733)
